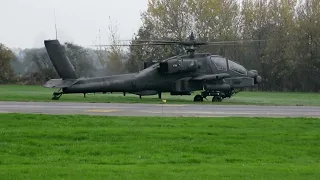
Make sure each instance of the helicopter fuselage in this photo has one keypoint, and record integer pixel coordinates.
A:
(175, 75)
(180, 75)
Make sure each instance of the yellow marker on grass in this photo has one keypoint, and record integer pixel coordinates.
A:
(164, 101)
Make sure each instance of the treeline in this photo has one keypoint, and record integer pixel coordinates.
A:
(33, 66)
(287, 54)
(289, 59)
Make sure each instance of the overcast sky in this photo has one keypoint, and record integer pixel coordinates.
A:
(26, 23)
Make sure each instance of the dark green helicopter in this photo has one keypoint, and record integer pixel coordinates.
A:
(214, 75)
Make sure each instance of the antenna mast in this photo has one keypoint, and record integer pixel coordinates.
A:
(55, 24)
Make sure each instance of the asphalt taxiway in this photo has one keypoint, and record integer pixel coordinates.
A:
(122, 109)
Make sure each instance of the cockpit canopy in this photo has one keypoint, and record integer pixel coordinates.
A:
(221, 64)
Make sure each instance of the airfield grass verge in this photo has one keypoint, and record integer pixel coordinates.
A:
(96, 147)
(39, 93)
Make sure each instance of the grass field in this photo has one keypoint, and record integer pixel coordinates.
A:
(38, 93)
(89, 147)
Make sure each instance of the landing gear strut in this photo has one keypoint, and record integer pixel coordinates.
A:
(56, 95)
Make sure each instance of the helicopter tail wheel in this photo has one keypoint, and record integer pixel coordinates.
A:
(56, 95)
(216, 99)
(198, 98)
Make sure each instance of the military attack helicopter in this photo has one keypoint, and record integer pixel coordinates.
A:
(213, 75)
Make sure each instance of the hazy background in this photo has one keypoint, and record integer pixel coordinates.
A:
(25, 24)
(288, 58)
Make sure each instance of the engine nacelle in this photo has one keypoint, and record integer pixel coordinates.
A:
(217, 87)
(148, 64)
(178, 65)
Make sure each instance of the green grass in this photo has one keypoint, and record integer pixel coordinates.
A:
(38, 93)
(90, 147)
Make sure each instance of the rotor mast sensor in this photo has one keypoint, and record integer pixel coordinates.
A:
(191, 46)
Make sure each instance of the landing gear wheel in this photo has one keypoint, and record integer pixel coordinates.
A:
(56, 95)
(198, 98)
(216, 99)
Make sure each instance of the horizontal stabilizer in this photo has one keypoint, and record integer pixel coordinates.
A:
(60, 83)
(210, 77)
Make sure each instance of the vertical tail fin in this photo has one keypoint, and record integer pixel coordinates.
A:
(60, 60)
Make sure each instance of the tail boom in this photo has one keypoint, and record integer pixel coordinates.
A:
(60, 83)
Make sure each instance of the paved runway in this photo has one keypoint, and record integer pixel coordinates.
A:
(121, 109)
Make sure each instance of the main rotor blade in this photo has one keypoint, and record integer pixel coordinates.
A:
(157, 41)
(202, 42)
(165, 42)
(187, 43)
(194, 43)
(236, 41)
(132, 44)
